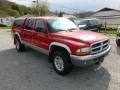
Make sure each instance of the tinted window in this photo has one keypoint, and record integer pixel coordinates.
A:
(83, 22)
(40, 26)
(18, 23)
(92, 22)
(29, 24)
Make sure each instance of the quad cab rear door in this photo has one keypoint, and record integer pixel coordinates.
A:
(28, 30)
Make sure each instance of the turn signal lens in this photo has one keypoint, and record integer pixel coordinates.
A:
(83, 51)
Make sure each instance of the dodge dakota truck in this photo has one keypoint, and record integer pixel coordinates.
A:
(61, 40)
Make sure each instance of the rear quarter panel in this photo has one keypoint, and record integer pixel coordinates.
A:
(18, 30)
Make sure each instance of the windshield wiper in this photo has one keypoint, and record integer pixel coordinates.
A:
(72, 29)
(61, 30)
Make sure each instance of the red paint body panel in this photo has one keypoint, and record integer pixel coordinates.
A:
(74, 40)
(79, 39)
(82, 36)
(41, 40)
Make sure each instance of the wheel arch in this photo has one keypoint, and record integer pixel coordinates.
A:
(18, 36)
(61, 45)
(58, 46)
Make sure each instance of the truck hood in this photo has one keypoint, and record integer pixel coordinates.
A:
(82, 36)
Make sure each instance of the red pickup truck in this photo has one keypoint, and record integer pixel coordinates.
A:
(62, 40)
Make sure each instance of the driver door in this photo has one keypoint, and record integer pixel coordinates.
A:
(40, 37)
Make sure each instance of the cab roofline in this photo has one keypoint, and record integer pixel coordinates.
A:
(43, 17)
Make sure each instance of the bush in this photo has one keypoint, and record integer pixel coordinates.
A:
(12, 12)
(2, 25)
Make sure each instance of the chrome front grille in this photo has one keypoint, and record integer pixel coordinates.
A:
(99, 46)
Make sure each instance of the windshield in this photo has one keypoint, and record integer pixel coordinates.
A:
(82, 22)
(61, 24)
(85, 22)
(74, 20)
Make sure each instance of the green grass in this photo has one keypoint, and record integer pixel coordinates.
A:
(109, 31)
(5, 28)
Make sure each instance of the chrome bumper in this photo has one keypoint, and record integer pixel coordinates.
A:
(89, 59)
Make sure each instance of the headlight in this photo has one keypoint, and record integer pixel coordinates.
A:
(83, 51)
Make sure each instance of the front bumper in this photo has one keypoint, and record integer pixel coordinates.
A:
(89, 59)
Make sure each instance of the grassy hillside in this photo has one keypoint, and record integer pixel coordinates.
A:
(8, 8)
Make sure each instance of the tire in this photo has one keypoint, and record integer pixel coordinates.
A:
(19, 46)
(61, 63)
(118, 42)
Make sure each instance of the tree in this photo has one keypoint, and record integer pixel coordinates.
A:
(23, 10)
(8, 8)
(60, 14)
(12, 12)
(40, 8)
(2, 13)
(3, 3)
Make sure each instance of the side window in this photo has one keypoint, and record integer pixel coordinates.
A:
(29, 24)
(85, 22)
(40, 26)
(17, 23)
(89, 22)
(92, 22)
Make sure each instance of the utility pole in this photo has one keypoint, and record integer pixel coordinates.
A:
(38, 7)
(37, 4)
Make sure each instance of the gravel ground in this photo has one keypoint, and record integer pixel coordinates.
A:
(30, 70)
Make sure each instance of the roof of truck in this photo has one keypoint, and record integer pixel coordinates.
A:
(43, 17)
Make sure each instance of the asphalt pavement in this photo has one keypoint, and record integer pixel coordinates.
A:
(30, 70)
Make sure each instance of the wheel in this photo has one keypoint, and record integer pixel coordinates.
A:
(61, 63)
(19, 46)
(118, 42)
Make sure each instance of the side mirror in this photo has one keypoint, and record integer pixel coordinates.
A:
(40, 30)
